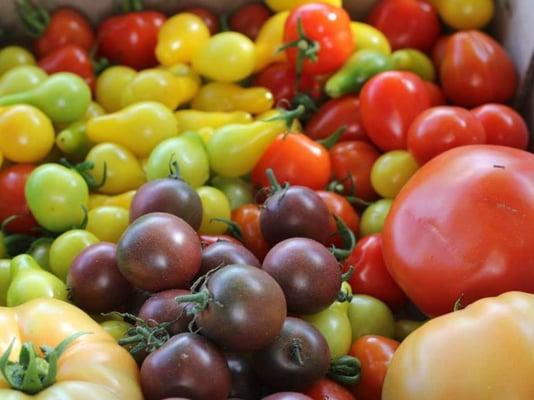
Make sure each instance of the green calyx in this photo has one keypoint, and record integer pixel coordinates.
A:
(349, 241)
(34, 18)
(345, 370)
(83, 169)
(128, 6)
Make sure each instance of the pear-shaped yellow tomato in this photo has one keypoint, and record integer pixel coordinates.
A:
(14, 56)
(110, 85)
(282, 5)
(122, 200)
(108, 223)
(20, 79)
(193, 120)
(214, 205)
(190, 81)
(227, 97)
(368, 37)
(269, 39)
(153, 85)
(65, 249)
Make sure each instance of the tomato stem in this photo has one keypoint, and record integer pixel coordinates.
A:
(128, 6)
(348, 237)
(200, 301)
(288, 116)
(275, 186)
(295, 351)
(233, 228)
(100, 65)
(34, 17)
(331, 140)
(345, 370)
(174, 169)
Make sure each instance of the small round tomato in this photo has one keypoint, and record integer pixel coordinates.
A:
(296, 159)
(439, 49)
(375, 353)
(374, 217)
(404, 327)
(466, 14)
(370, 316)
(107, 223)
(237, 190)
(325, 389)
(110, 85)
(247, 217)
(249, 19)
(14, 56)
(391, 171)
(436, 95)
(503, 125)
(214, 205)
(339, 206)
(441, 128)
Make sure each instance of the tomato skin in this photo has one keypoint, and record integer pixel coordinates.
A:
(325, 389)
(503, 125)
(406, 23)
(457, 189)
(249, 19)
(436, 95)
(295, 159)
(248, 218)
(477, 70)
(330, 27)
(439, 49)
(375, 354)
(370, 274)
(354, 160)
(439, 129)
(390, 101)
(391, 172)
(374, 217)
(339, 206)
(209, 18)
(337, 113)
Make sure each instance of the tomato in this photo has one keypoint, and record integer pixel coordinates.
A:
(375, 354)
(351, 164)
(107, 223)
(121, 200)
(269, 40)
(40, 252)
(281, 5)
(210, 19)
(366, 36)
(117, 329)
(374, 217)
(326, 389)
(14, 56)
(214, 205)
(370, 316)
(110, 86)
(5, 278)
(465, 14)
(436, 95)
(477, 70)
(404, 327)
(406, 23)
(249, 18)
(414, 61)
(70, 58)
(335, 114)
(370, 274)
(247, 217)
(339, 206)
(237, 190)
(473, 184)
(228, 97)
(391, 171)
(326, 26)
(390, 101)
(12, 198)
(439, 49)
(503, 125)
(21, 79)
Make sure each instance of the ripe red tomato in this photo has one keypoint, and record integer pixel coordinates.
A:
(209, 18)
(390, 101)
(375, 354)
(406, 23)
(249, 19)
(463, 227)
(327, 25)
(339, 206)
(70, 58)
(441, 128)
(351, 164)
(12, 198)
(325, 389)
(477, 70)
(439, 49)
(503, 125)
(370, 274)
(296, 159)
(248, 218)
(334, 114)
(437, 98)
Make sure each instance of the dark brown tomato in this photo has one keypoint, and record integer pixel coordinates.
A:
(171, 196)
(307, 272)
(162, 307)
(294, 212)
(297, 358)
(159, 251)
(94, 280)
(288, 396)
(189, 366)
(245, 383)
(223, 253)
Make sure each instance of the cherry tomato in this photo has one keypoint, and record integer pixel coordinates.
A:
(351, 164)
(329, 27)
(343, 112)
(390, 101)
(391, 171)
(249, 19)
(441, 128)
(439, 49)
(406, 23)
(466, 14)
(117, 329)
(436, 95)
(370, 274)
(325, 389)
(374, 217)
(503, 125)
(214, 205)
(14, 56)
(209, 18)
(339, 206)
(375, 353)
(370, 316)
(247, 217)
(107, 223)
(296, 159)
(477, 70)
(111, 84)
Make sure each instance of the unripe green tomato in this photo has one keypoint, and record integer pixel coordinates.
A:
(374, 216)
(370, 316)
(65, 249)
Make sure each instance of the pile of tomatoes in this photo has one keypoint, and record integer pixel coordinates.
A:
(279, 203)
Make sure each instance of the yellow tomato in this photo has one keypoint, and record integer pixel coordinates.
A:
(466, 14)
(282, 5)
(214, 205)
(227, 97)
(391, 171)
(66, 247)
(194, 120)
(153, 85)
(110, 85)
(269, 40)
(368, 37)
(108, 223)
(14, 56)
(190, 81)
(122, 200)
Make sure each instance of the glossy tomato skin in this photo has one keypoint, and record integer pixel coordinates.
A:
(210, 19)
(339, 206)
(406, 23)
(245, 383)
(436, 95)
(162, 307)
(223, 253)
(503, 125)
(428, 221)
(375, 354)
(69, 58)
(247, 217)
(370, 275)
(477, 70)
(337, 113)
(439, 129)
(287, 396)
(390, 101)
(330, 27)
(325, 389)
(249, 19)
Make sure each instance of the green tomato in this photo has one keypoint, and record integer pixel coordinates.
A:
(40, 251)
(414, 61)
(237, 190)
(14, 56)
(374, 216)
(335, 327)
(188, 151)
(404, 327)
(117, 329)
(65, 249)
(5, 280)
(391, 171)
(21, 79)
(57, 197)
(370, 316)
(214, 205)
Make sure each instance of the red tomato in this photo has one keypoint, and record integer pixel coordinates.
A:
(325, 389)
(390, 101)
(351, 164)
(463, 227)
(335, 113)
(439, 129)
(437, 98)
(12, 198)
(370, 274)
(130, 39)
(339, 206)
(375, 354)
(477, 70)
(248, 218)
(295, 159)
(249, 19)
(439, 49)
(406, 23)
(69, 58)
(327, 25)
(503, 125)
(209, 18)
